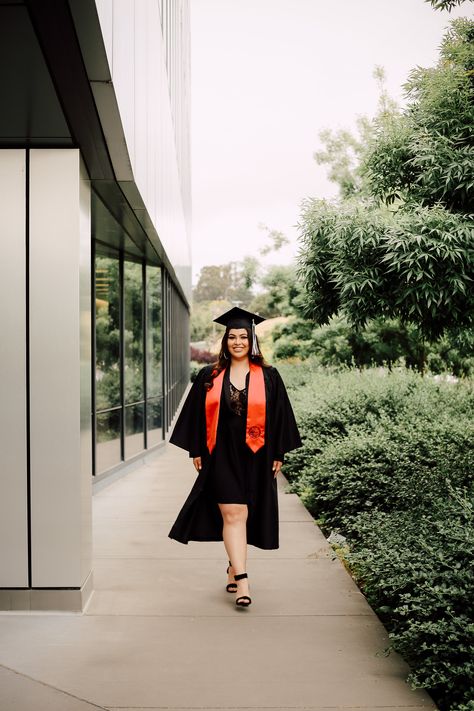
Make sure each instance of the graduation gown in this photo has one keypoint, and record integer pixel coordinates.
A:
(200, 518)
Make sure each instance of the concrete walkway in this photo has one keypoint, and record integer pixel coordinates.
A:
(161, 632)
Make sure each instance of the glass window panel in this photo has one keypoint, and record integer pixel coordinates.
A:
(133, 332)
(155, 432)
(107, 373)
(154, 360)
(108, 452)
(134, 433)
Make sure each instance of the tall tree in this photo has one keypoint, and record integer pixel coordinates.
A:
(231, 282)
(276, 238)
(426, 154)
(406, 248)
(344, 151)
(213, 283)
(279, 289)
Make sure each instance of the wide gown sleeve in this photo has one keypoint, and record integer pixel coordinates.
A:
(285, 430)
(189, 429)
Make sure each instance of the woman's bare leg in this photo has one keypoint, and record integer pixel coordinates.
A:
(235, 541)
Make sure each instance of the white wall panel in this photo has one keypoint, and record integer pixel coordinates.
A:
(85, 325)
(13, 456)
(123, 72)
(60, 506)
(141, 157)
(136, 53)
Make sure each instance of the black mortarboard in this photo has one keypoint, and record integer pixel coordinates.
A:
(239, 318)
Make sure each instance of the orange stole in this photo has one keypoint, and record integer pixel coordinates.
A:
(256, 409)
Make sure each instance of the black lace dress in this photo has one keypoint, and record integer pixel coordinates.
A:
(231, 466)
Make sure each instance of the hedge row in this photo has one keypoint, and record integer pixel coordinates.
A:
(388, 462)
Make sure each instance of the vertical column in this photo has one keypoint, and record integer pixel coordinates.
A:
(13, 395)
(60, 370)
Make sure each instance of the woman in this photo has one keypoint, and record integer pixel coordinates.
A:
(237, 424)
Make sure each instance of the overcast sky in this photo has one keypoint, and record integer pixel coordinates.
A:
(267, 76)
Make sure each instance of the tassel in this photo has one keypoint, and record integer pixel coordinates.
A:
(255, 348)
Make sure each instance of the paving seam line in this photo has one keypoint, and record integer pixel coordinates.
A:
(55, 688)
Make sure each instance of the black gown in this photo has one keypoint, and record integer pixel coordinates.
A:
(233, 473)
(230, 467)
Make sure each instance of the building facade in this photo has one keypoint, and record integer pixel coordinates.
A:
(95, 273)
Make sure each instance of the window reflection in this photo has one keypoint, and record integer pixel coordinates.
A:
(154, 421)
(133, 332)
(134, 353)
(134, 428)
(154, 355)
(107, 306)
(129, 407)
(108, 428)
(107, 369)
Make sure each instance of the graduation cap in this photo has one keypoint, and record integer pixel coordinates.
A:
(239, 318)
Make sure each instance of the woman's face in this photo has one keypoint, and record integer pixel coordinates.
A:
(238, 343)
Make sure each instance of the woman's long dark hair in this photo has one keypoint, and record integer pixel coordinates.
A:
(224, 357)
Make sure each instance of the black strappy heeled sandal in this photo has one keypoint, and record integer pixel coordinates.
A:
(230, 585)
(243, 600)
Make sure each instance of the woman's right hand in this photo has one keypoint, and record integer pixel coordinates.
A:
(197, 463)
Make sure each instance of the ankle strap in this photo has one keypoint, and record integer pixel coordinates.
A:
(240, 576)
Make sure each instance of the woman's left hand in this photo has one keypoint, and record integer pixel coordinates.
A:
(276, 467)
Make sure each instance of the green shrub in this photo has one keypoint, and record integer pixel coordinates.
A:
(296, 328)
(416, 570)
(194, 369)
(397, 466)
(329, 405)
(454, 353)
(287, 348)
(387, 461)
(384, 342)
